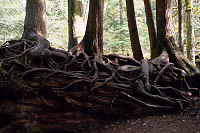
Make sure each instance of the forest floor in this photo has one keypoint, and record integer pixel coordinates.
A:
(155, 123)
(31, 118)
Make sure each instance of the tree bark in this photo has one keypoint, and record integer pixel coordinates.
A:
(151, 28)
(134, 37)
(120, 12)
(167, 40)
(160, 21)
(93, 38)
(35, 17)
(190, 30)
(35, 30)
(92, 43)
(76, 22)
(180, 26)
(100, 23)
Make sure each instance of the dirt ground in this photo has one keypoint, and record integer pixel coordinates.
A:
(162, 123)
(26, 118)
(156, 122)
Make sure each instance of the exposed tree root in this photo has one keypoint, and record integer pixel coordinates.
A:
(115, 85)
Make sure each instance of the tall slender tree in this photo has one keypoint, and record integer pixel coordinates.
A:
(155, 50)
(166, 38)
(180, 26)
(100, 25)
(120, 12)
(36, 17)
(134, 37)
(92, 42)
(76, 24)
(190, 30)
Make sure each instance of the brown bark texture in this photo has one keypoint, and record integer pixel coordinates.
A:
(134, 37)
(166, 39)
(120, 12)
(180, 26)
(36, 17)
(190, 47)
(151, 28)
(92, 42)
(76, 22)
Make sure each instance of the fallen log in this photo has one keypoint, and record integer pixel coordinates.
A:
(55, 81)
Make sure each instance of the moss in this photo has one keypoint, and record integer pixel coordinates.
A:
(26, 60)
(16, 79)
(3, 74)
(188, 5)
(34, 130)
(23, 110)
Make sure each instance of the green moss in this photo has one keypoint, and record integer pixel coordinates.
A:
(29, 130)
(159, 67)
(30, 88)
(23, 109)
(188, 5)
(34, 130)
(16, 79)
(26, 60)
(3, 73)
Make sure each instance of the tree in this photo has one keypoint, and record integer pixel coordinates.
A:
(76, 22)
(61, 85)
(120, 12)
(155, 51)
(180, 26)
(35, 17)
(160, 8)
(190, 31)
(35, 29)
(135, 42)
(92, 43)
(166, 38)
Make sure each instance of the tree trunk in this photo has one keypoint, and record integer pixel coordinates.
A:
(134, 37)
(159, 23)
(92, 43)
(151, 28)
(180, 26)
(76, 22)
(93, 38)
(35, 17)
(190, 30)
(100, 23)
(120, 12)
(35, 30)
(166, 38)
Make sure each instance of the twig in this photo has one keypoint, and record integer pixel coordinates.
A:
(46, 102)
(35, 70)
(111, 105)
(146, 104)
(1, 63)
(161, 72)
(70, 63)
(16, 56)
(95, 68)
(73, 83)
